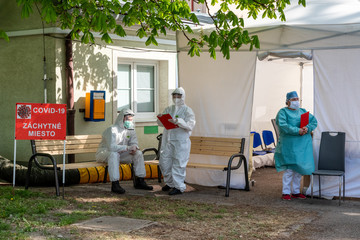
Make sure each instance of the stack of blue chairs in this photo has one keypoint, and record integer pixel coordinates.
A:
(268, 138)
(257, 142)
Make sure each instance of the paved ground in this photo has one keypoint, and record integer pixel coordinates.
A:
(333, 221)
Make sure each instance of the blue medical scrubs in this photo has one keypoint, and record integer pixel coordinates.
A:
(293, 151)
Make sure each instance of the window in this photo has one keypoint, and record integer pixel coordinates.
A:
(136, 88)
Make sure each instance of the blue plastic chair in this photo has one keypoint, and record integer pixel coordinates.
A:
(268, 138)
(257, 142)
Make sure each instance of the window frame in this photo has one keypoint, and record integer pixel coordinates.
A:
(139, 116)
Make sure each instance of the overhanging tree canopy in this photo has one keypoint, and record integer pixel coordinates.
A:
(154, 17)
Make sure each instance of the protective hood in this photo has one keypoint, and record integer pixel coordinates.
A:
(181, 91)
(120, 118)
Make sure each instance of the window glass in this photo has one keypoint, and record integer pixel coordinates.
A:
(145, 76)
(145, 101)
(124, 86)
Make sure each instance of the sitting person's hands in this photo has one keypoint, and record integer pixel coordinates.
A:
(132, 149)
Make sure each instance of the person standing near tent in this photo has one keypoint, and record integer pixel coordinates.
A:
(294, 152)
(119, 144)
(175, 145)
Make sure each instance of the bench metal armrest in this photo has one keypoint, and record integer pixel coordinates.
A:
(55, 168)
(242, 159)
(151, 149)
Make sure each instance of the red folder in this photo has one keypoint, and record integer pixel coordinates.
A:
(164, 119)
(304, 120)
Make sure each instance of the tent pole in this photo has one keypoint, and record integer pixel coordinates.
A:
(301, 82)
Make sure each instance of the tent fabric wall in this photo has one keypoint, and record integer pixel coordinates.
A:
(336, 96)
(220, 92)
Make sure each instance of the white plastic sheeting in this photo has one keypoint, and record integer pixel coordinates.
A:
(220, 93)
(336, 108)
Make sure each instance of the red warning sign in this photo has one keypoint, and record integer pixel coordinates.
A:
(40, 121)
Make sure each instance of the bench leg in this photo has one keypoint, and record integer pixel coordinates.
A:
(27, 182)
(159, 174)
(228, 182)
(105, 174)
(247, 186)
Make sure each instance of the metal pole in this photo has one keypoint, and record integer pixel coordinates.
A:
(301, 82)
(45, 78)
(14, 163)
(64, 169)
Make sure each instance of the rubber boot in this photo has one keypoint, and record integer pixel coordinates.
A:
(141, 184)
(116, 188)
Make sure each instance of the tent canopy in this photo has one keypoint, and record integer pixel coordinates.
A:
(322, 24)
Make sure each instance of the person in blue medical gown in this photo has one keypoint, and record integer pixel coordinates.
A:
(294, 151)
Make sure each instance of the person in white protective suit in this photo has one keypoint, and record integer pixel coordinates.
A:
(175, 145)
(119, 144)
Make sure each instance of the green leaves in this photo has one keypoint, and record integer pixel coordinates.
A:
(149, 18)
(26, 9)
(4, 35)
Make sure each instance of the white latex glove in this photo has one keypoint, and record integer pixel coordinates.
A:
(173, 121)
(132, 148)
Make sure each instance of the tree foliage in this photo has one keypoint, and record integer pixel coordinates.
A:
(155, 17)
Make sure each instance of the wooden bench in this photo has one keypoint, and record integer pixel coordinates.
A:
(227, 147)
(78, 144)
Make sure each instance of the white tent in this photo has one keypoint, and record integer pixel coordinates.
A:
(222, 93)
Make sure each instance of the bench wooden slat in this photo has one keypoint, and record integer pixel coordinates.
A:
(217, 139)
(79, 165)
(68, 147)
(212, 143)
(204, 165)
(209, 152)
(68, 142)
(74, 151)
(216, 144)
(217, 148)
(83, 137)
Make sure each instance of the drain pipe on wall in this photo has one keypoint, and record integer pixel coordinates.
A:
(69, 91)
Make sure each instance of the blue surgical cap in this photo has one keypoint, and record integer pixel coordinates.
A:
(291, 95)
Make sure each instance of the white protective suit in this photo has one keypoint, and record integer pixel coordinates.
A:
(175, 146)
(114, 145)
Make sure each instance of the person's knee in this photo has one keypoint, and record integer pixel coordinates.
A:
(138, 153)
(113, 157)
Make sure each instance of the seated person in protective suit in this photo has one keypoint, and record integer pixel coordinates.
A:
(119, 144)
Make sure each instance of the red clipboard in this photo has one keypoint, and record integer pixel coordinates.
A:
(304, 119)
(164, 119)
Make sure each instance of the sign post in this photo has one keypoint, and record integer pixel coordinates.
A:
(40, 121)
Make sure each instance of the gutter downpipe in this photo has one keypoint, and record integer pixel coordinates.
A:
(69, 91)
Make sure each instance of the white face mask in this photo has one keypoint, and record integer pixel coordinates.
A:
(295, 105)
(128, 124)
(177, 101)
